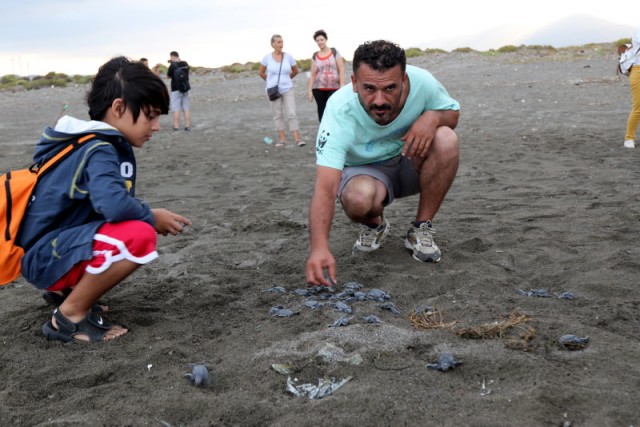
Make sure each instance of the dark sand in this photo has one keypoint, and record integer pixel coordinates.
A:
(546, 197)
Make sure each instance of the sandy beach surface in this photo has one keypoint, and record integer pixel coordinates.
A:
(546, 197)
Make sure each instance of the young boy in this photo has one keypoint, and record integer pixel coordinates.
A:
(84, 231)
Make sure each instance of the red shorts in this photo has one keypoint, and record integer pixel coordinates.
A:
(132, 240)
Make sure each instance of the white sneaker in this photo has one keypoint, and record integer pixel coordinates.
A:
(629, 143)
(370, 238)
(420, 241)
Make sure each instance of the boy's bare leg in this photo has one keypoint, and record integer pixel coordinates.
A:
(90, 288)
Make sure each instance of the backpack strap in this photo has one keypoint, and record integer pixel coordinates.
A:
(333, 50)
(42, 169)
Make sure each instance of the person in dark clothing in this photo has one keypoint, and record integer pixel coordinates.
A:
(179, 96)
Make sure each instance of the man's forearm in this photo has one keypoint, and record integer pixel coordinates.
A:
(321, 214)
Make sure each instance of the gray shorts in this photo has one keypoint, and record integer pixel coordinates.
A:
(179, 101)
(398, 174)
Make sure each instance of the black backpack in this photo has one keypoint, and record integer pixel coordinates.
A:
(181, 76)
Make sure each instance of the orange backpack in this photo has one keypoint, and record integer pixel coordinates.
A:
(15, 195)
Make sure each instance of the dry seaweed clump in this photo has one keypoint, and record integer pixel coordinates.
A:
(516, 331)
(429, 319)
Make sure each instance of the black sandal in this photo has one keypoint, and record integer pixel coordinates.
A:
(56, 300)
(93, 326)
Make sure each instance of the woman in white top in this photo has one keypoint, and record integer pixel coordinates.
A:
(327, 72)
(278, 68)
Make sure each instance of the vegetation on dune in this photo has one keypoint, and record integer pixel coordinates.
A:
(52, 79)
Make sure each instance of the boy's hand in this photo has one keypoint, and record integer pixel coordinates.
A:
(168, 222)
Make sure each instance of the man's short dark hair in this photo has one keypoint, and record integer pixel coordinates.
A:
(133, 82)
(320, 33)
(380, 55)
(174, 53)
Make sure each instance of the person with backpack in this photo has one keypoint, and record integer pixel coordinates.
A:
(178, 72)
(630, 66)
(327, 72)
(84, 230)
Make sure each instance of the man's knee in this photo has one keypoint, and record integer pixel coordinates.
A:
(362, 194)
(445, 143)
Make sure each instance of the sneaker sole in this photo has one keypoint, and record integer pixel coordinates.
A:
(435, 257)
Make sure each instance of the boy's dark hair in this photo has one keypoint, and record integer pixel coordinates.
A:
(380, 55)
(133, 82)
(320, 33)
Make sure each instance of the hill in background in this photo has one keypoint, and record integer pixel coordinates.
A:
(571, 31)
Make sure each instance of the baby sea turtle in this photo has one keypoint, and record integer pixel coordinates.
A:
(313, 304)
(378, 295)
(343, 321)
(565, 295)
(445, 362)
(342, 306)
(305, 292)
(199, 375)
(353, 285)
(573, 342)
(346, 293)
(540, 293)
(280, 311)
(358, 296)
(372, 319)
(391, 307)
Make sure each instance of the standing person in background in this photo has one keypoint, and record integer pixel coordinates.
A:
(632, 65)
(327, 72)
(279, 68)
(145, 61)
(178, 72)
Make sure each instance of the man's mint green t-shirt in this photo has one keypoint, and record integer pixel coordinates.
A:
(349, 137)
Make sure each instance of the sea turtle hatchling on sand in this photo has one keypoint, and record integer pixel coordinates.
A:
(280, 311)
(276, 289)
(353, 285)
(344, 307)
(343, 321)
(357, 296)
(573, 342)
(313, 304)
(539, 293)
(391, 307)
(199, 375)
(445, 362)
(372, 318)
(378, 295)
(346, 293)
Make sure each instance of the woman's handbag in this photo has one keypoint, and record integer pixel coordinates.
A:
(272, 92)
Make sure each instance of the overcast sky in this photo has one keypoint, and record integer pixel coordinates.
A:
(77, 36)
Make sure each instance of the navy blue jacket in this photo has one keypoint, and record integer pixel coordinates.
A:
(94, 185)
